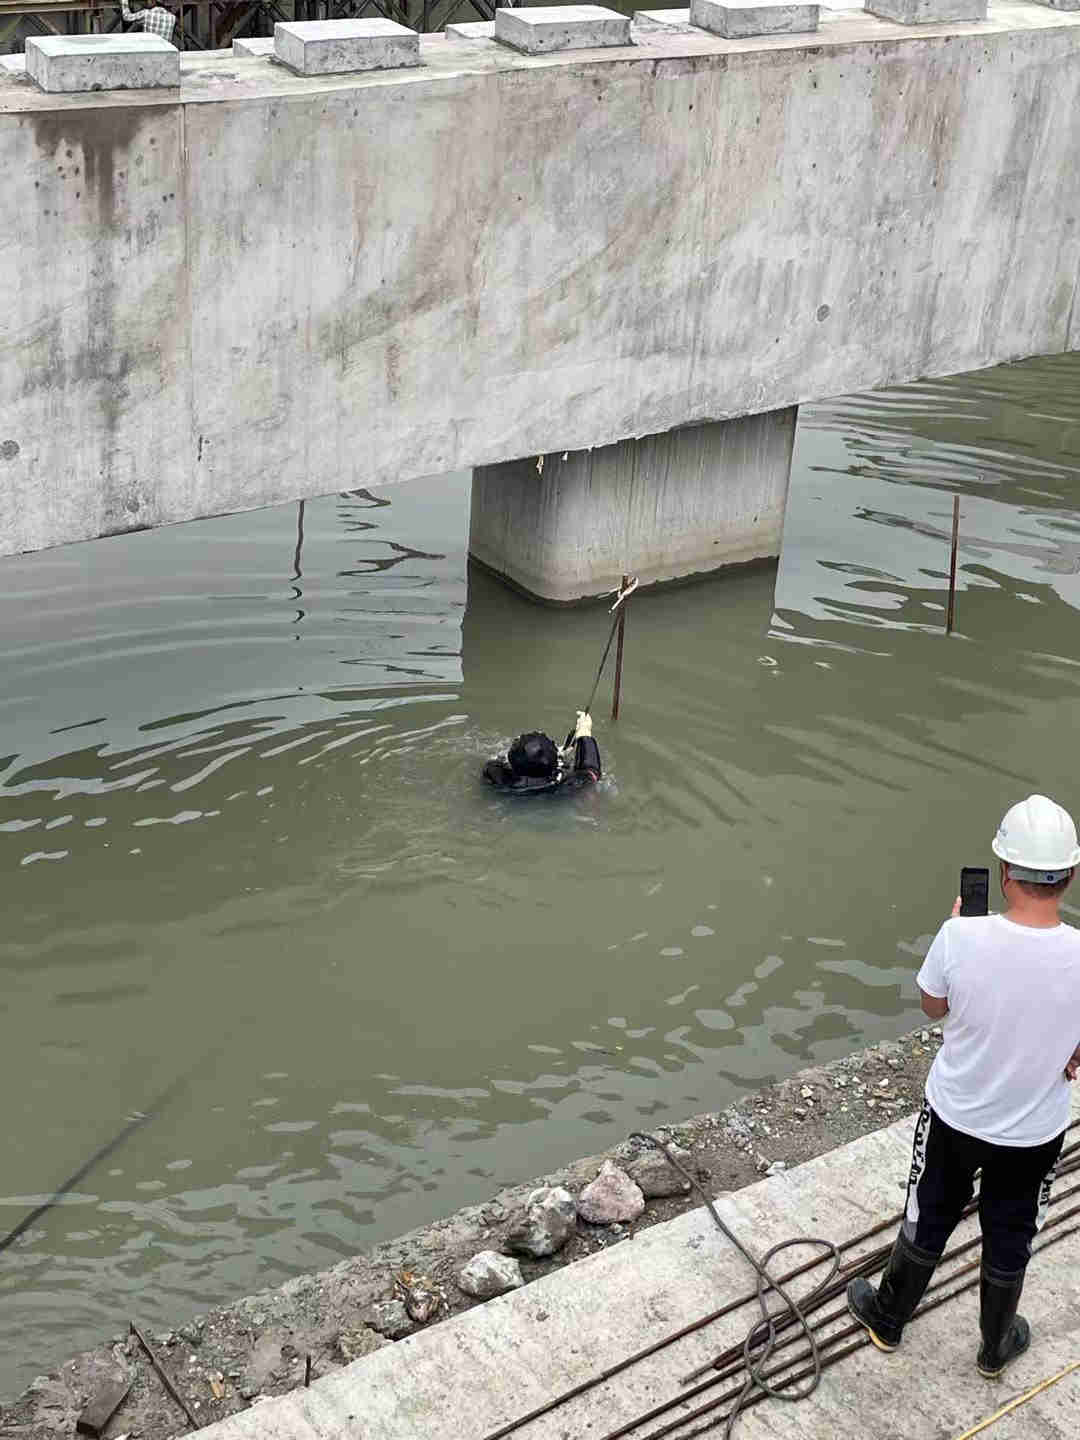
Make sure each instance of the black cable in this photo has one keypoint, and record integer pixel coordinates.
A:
(105, 1150)
(70, 1183)
(761, 1337)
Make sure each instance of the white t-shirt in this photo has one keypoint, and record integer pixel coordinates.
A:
(1013, 1022)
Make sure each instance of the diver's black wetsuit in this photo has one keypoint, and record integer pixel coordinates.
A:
(585, 771)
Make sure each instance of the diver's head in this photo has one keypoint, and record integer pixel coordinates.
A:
(534, 755)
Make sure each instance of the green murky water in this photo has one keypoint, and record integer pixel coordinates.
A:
(245, 848)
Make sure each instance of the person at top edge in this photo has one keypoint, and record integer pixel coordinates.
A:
(997, 1095)
(534, 764)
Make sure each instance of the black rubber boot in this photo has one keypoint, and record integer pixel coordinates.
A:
(1004, 1333)
(886, 1310)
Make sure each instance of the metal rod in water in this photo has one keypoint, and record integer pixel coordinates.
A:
(626, 591)
(950, 616)
(618, 653)
(298, 553)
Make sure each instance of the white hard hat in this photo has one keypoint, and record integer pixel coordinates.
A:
(1037, 839)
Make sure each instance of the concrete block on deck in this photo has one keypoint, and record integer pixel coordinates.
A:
(254, 46)
(68, 64)
(741, 19)
(540, 29)
(340, 47)
(669, 21)
(13, 64)
(471, 30)
(927, 12)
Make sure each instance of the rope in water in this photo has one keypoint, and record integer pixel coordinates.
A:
(760, 1339)
(603, 662)
(104, 1151)
(623, 594)
(69, 1184)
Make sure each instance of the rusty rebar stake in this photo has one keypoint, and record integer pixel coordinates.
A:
(166, 1379)
(619, 652)
(950, 615)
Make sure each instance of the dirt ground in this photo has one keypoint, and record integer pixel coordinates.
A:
(239, 1354)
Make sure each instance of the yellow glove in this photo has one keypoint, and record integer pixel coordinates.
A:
(584, 725)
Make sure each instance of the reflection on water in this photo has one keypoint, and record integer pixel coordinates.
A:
(242, 830)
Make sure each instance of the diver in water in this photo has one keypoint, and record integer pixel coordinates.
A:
(535, 765)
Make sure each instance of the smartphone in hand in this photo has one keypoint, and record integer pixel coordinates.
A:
(974, 890)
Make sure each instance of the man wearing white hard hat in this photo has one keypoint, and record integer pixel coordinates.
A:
(997, 1096)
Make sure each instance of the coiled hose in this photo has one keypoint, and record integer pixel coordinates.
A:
(761, 1337)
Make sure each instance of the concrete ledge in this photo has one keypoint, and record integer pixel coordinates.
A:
(669, 21)
(540, 29)
(927, 12)
(472, 30)
(498, 1361)
(255, 46)
(13, 64)
(339, 47)
(66, 64)
(741, 19)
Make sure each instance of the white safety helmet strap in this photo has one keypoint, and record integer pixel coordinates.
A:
(1037, 877)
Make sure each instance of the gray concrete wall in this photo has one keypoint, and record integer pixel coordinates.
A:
(568, 526)
(277, 287)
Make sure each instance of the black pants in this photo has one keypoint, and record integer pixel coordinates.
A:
(1014, 1190)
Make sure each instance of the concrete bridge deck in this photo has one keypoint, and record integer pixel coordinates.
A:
(463, 1379)
(261, 287)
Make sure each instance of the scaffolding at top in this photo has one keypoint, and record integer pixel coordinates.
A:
(215, 24)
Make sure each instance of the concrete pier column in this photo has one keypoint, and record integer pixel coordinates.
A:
(566, 527)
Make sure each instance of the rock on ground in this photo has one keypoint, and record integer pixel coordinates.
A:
(545, 1224)
(423, 1298)
(355, 1343)
(612, 1198)
(655, 1178)
(389, 1318)
(489, 1274)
